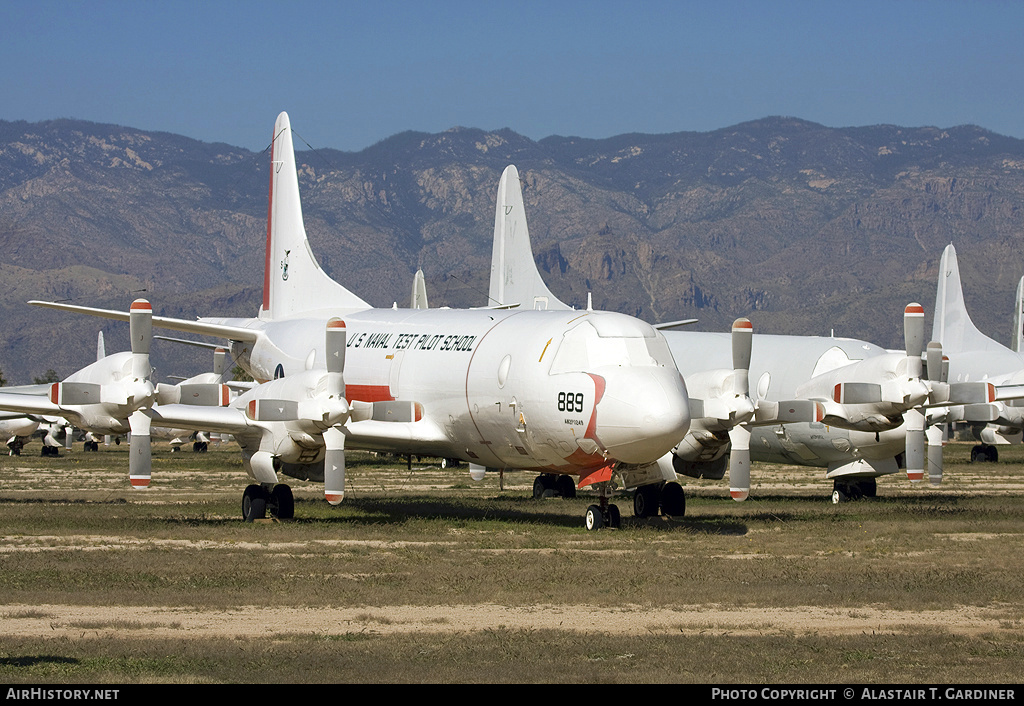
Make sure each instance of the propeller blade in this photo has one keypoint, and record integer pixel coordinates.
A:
(857, 393)
(914, 421)
(933, 435)
(334, 466)
(934, 358)
(269, 410)
(742, 340)
(68, 393)
(789, 412)
(219, 358)
(913, 337)
(140, 323)
(197, 394)
(335, 339)
(739, 463)
(139, 455)
(972, 392)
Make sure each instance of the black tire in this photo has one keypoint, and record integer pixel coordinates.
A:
(991, 454)
(673, 500)
(254, 503)
(594, 518)
(539, 487)
(565, 486)
(282, 502)
(645, 501)
(614, 518)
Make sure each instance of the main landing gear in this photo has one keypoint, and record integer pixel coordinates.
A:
(844, 489)
(666, 498)
(554, 485)
(258, 500)
(984, 453)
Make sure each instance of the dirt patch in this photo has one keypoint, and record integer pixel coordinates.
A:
(72, 621)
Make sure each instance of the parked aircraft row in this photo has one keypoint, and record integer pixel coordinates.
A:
(582, 397)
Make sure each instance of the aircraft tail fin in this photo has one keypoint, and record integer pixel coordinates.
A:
(419, 292)
(293, 281)
(952, 325)
(514, 275)
(1017, 344)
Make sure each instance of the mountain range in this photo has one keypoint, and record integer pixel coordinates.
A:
(805, 229)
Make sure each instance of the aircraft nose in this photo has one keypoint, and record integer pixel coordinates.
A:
(643, 413)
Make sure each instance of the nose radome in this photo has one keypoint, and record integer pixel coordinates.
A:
(643, 414)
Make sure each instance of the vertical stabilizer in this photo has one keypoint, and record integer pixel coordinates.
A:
(952, 326)
(1017, 344)
(514, 275)
(293, 282)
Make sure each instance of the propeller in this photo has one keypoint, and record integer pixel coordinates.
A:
(334, 438)
(320, 415)
(914, 419)
(742, 410)
(140, 394)
(721, 408)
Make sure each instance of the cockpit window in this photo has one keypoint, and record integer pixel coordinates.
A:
(583, 348)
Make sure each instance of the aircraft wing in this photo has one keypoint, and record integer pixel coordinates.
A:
(234, 333)
(28, 404)
(225, 420)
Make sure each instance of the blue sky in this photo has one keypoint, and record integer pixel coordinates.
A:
(352, 73)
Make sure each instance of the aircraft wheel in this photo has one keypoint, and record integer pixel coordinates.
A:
(594, 518)
(977, 454)
(545, 486)
(282, 502)
(254, 503)
(838, 496)
(645, 501)
(991, 454)
(673, 500)
(614, 518)
(539, 487)
(565, 486)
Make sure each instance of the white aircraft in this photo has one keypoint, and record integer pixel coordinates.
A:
(168, 394)
(829, 402)
(16, 429)
(102, 396)
(574, 393)
(974, 356)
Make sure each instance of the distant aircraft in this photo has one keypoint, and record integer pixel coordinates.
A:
(16, 430)
(862, 392)
(973, 356)
(574, 393)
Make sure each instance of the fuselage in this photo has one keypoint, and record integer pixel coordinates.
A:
(565, 391)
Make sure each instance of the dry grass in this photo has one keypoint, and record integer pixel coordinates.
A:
(424, 575)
